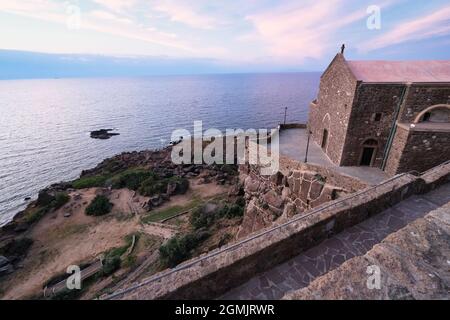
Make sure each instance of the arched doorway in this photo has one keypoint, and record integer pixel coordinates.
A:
(324, 139)
(368, 153)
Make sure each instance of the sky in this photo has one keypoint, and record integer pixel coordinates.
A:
(214, 36)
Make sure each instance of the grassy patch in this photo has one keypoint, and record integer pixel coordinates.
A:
(90, 182)
(201, 218)
(171, 211)
(112, 260)
(33, 216)
(46, 203)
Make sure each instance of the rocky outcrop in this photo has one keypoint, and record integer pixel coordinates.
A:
(5, 266)
(281, 196)
(103, 134)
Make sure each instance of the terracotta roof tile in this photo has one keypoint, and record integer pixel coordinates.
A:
(401, 71)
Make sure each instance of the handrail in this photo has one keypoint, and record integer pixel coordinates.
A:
(234, 246)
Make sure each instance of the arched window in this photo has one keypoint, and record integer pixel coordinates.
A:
(370, 142)
(436, 114)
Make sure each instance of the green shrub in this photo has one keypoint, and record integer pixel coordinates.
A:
(151, 187)
(44, 198)
(110, 265)
(131, 179)
(112, 260)
(36, 215)
(99, 206)
(232, 211)
(201, 219)
(67, 294)
(89, 182)
(179, 249)
(240, 202)
(61, 199)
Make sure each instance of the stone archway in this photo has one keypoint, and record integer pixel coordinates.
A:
(439, 112)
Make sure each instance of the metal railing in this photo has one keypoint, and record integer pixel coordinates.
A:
(239, 244)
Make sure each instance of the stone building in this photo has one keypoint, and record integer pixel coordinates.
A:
(394, 115)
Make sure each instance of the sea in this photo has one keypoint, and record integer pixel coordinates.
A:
(45, 123)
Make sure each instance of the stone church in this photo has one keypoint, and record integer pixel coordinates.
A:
(394, 115)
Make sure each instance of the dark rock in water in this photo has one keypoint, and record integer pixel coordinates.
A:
(27, 199)
(103, 134)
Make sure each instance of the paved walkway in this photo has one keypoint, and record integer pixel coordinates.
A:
(293, 145)
(355, 241)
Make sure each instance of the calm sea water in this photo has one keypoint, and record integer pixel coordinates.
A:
(45, 124)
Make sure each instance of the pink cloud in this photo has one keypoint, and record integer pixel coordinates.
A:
(302, 31)
(185, 14)
(432, 25)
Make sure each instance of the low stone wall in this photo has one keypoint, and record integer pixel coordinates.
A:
(436, 177)
(213, 274)
(293, 190)
(284, 126)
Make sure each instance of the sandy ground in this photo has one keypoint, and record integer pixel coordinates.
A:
(62, 241)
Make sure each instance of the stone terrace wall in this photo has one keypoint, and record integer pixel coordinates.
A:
(212, 274)
(296, 188)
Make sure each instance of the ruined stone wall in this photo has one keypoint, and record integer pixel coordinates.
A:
(370, 99)
(296, 188)
(332, 108)
(422, 96)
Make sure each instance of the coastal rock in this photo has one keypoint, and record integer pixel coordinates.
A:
(3, 261)
(273, 199)
(156, 201)
(171, 188)
(21, 227)
(7, 269)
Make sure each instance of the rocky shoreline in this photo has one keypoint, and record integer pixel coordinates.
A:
(119, 171)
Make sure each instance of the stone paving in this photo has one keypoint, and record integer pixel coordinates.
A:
(298, 272)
